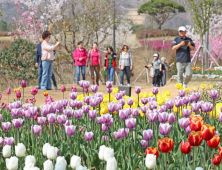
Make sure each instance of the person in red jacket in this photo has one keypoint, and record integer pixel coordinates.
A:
(110, 62)
(80, 56)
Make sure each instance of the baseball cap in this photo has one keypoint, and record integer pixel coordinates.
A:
(163, 58)
(155, 55)
(182, 28)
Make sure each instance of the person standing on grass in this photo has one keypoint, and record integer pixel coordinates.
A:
(80, 56)
(38, 64)
(164, 64)
(48, 57)
(183, 45)
(125, 64)
(95, 62)
(110, 62)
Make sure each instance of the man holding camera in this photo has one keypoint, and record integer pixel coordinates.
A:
(183, 45)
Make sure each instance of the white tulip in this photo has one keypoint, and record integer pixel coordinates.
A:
(199, 168)
(101, 152)
(34, 168)
(12, 163)
(150, 161)
(7, 151)
(61, 159)
(20, 150)
(80, 167)
(48, 165)
(108, 153)
(51, 152)
(29, 160)
(60, 166)
(75, 161)
(111, 164)
(44, 149)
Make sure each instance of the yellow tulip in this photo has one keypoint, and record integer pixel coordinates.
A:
(145, 95)
(181, 88)
(115, 90)
(178, 85)
(175, 110)
(211, 86)
(187, 90)
(203, 86)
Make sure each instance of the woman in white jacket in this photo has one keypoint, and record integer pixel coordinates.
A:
(47, 60)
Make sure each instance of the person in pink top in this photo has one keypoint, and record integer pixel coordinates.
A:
(80, 56)
(95, 62)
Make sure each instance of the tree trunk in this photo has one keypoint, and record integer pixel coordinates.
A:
(160, 26)
(202, 57)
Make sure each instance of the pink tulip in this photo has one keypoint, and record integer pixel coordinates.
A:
(92, 114)
(144, 144)
(87, 99)
(18, 94)
(124, 114)
(78, 114)
(184, 122)
(135, 112)
(61, 119)
(148, 134)
(214, 94)
(117, 135)
(86, 108)
(144, 101)
(163, 117)
(163, 108)
(81, 83)
(27, 106)
(94, 88)
(169, 104)
(123, 92)
(88, 136)
(16, 112)
(27, 114)
(109, 90)
(68, 122)
(171, 118)
(105, 128)
(110, 123)
(73, 95)
(68, 112)
(182, 93)
(144, 109)
(73, 89)
(155, 90)
(106, 118)
(153, 105)
(109, 84)
(137, 89)
(51, 118)
(186, 112)
(122, 102)
(130, 101)
(0, 117)
(152, 116)
(34, 91)
(188, 130)
(63, 88)
(99, 120)
(8, 91)
(131, 123)
(165, 128)
(70, 130)
(17, 123)
(6, 126)
(86, 84)
(150, 99)
(111, 107)
(121, 132)
(118, 96)
(23, 83)
(41, 120)
(9, 141)
(33, 111)
(36, 129)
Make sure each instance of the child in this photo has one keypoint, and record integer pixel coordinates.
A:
(157, 70)
(163, 60)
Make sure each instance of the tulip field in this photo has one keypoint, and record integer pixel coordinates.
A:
(112, 131)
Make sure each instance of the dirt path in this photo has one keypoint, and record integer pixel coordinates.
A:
(57, 94)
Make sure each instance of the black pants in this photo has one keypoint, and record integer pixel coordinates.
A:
(157, 77)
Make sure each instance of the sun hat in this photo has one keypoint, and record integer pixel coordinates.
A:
(155, 55)
(182, 28)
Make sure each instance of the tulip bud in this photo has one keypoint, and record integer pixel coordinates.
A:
(34, 91)
(45, 148)
(165, 128)
(182, 93)
(88, 136)
(207, 132)
(163, 117)
(12, 163)
(144, 101)
(18, 94)
(92, 114)
(94, 88)
(185, 147)
(111, 164)
(171, 118)
(63, 88)
(102, 152)
(144, 143)
(148, 134)
(51, 152)
(108, 153)
(73, 89)
(130, 101)
(48, 165)
(20, 150)
(36, 129)
(214, 142)
(137, 89)
(131, 123)
(8, 91)
(150, 161)
(169, 104)
(165, 145)
(70, 130)
(152, 150)
(216, 160)
(73, 95)
(6, 152)
(23, 83)
(109, 84)
(75, 161)
(184, 122)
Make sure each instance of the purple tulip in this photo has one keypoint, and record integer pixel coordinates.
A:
(41, 120)
(73, 95)
(81, 83)
(110, 123)
(94, 88)
(122, 102)
(9, 141)
(148, 134)
(68, 122)
(27, 114)
(165, 128)
(33, 111)
(163, 117)
(155, 90)
(182, 93)
(131, 123)
(112, 107)
(0, 118)
(121, 132)
(124, 114)
(144, 144)
(23, 83)
(36, 129)
(105, 128)
(130, 101)
(78, 113)
(214, 94)
(169, 104)
(88, 136)
(27, 106)
(144, 109)
(51, 118)
(1, 141)
(123, 92)
(118, 96)
(17, 123)
(70, 130)
(86, 108)
(207, 107)
(178, 103)
(86, 84)
(137, 89)
(152, 105)
(16, 112)
(195, 107)
(99, 120)
(117, 135)
(185, 100)
(171, 118)
(196, 96)
(8, 91)
(188, 130)
(109, 84)
(6, 126)
(220, 117)
(144, 101)
(86, 99)
(109, 90)
(94, 101)
(79, 104)
(163, 108)
(186, 112)
(17, 104)
(184, 122)
(61, 119)
(59, 105)
(92, 114)
(44, 110)
(99, 94)
(68, 112)
(106, 118)
(118, 107)
(152, 116)
(135, 112)
(150, 99)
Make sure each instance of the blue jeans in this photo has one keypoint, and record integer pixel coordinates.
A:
(40, 77)
(127, 71)
(164, 78)
(111, 72)
(46, 75)
(78, 72)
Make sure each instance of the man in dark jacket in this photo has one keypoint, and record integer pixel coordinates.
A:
(38, 63)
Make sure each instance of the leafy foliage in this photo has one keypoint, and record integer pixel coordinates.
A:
(161, 10)
(17, 60)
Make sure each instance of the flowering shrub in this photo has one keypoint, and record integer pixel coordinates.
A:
(158, 44)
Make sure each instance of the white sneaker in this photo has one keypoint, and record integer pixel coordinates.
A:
(128, 85)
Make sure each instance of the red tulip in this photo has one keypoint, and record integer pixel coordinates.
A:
(207, 132)
(196, 122)
(214, 142)
(185, 147)
(195, 138)
(165, 145)
(152, 150)
(216, 160)
(220, 151)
